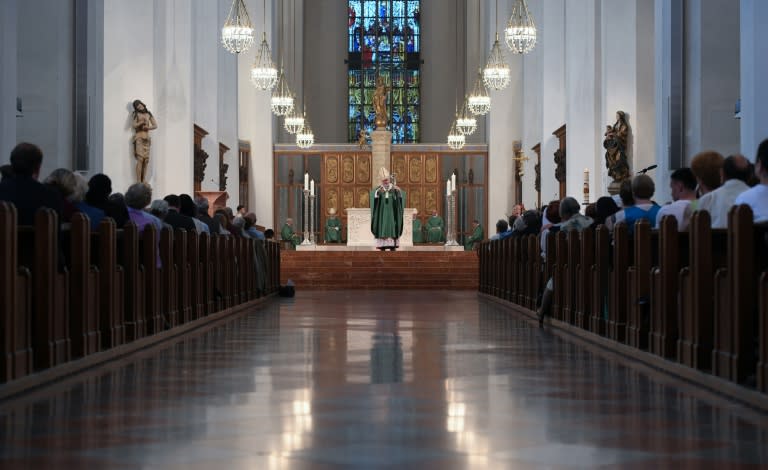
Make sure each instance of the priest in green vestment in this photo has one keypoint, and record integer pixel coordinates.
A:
(287, 233)
(387, 210)
(476, 237)
(435, 228)
(418, 230)
(332, 227)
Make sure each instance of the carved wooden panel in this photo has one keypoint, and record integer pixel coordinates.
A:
(414, 199)
(432, 200)
(348, 169)
(414, 169)
(363, 166)
(430, 173)
(537, 168)
(348, 198)
(332, 170)
(560, 160)
(331, 200)
(398, 167)
(363, 197)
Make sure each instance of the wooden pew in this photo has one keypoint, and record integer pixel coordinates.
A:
(169, 279)
(673, 249)
(639, 288)
(617, 314)
(762, 365)
(734, 316)
(601, 275)
(570, 275)
(207, 274)
(85, 334)
(15, 302)
(584, 278)
(153, 287)
(111, 277)
(50, 335)
(534, 255)
(134, 288)
(196, 276)
(558, 274)
(183, 275)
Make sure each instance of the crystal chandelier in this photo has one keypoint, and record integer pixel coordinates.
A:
(466, 123)
(520, 34)
(282, 99)
(263, 72)
(294, 122)
(237, 33)
(479, 102)
(496, 72)
(455, 138)
(305, 138)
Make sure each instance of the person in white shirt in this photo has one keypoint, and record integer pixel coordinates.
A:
(757, 197)
(706, 167)
(735, 172)
(683, 186)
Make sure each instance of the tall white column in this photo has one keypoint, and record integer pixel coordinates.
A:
(227, 103)
(663, 95)
(553, 97)
(582, 85)
(532, 107)
(8, 88)
(754, 69)
(205, 64)
(255, 121)
(505, 126)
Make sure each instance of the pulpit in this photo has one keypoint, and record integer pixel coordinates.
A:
(216, 200)
(359, 227)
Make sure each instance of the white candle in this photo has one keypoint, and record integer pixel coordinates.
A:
(306, 181)
(448, 188)
(453, 182)
(586, 175)
(312, 188)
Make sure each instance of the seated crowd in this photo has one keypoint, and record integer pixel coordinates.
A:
(68, 192)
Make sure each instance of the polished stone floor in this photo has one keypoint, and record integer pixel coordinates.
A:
(377, 379)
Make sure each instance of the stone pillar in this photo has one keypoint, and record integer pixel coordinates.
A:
(754, 69)
(532, 106)
(8, 88)
(553, 92)
(381, 146)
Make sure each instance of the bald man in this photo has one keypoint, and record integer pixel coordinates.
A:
(734, 174)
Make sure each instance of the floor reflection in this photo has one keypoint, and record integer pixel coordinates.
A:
(370, 379)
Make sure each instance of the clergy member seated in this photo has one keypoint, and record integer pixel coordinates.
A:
(435, 228)
(476, 237)
(418, 229)
(288, 234)
(332, 227)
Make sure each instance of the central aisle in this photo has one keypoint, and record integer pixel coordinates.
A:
(373, 379)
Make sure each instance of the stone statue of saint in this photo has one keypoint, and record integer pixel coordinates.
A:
(143, 122)
(615, 144)
(380, 103)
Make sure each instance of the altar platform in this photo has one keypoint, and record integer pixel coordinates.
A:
(414, 267)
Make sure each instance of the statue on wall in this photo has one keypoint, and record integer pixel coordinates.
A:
(560, 165)
(143, 122)
(223, 167)
(362, 139)
(380, 103)
(615, 144)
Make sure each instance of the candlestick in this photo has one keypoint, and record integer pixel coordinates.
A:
(448, 188)
(306, 181)
(311, 187)
(453, 182)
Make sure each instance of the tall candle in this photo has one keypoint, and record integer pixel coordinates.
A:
(586, 175)
(448, 188)
(312, 188)
(306, 181)
(453, 182)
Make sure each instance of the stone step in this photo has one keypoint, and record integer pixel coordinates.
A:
(379, 270)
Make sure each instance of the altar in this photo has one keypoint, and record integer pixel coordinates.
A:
(359, 228)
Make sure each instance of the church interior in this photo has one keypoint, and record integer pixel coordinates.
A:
(571, 271)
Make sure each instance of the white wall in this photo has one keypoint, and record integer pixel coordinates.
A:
(8, 77)
(45, 79)
(553, 95)
(532, 108)
(754, 69)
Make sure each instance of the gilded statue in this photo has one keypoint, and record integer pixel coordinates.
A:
(362, 139)
(615, 144)
(380, 103)
(143, 122)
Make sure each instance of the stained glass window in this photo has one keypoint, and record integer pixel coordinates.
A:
(384, 38)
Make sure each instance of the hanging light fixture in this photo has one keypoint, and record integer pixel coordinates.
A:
(479, 102)
(520, 34)
(456, 139)
(282, 99)
(305, 138)
(237, 33)
(496, 72)
(466, 124)
(294, 120)
(263, 71)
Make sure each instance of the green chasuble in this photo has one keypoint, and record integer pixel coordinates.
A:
(332, 230)
(435, 229)
(287, 234)
(387, 208)
(477, 236)
(418, 232)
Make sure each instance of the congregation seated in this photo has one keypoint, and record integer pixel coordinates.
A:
(735, 173)
(501, 227)
(757, 197)
(683, 186)
(642, 206)
(159, 208)
(175, 218)
(98, 197)
(23, 189)
(189, 209)
(137, 198)
(250, 227)
(202, 214)
(605, 207)
(64, 183)
(529, 223)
